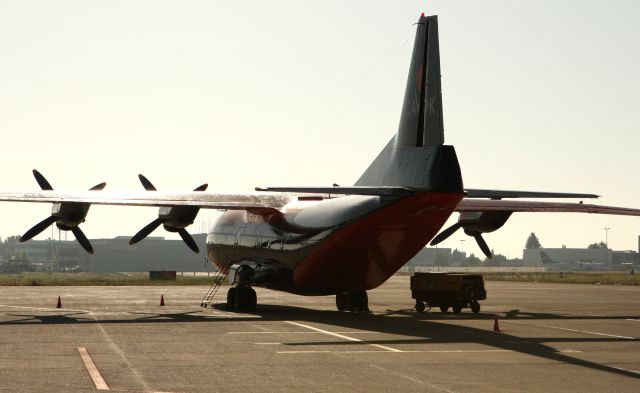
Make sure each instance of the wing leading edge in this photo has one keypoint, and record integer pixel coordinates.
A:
(203, 200)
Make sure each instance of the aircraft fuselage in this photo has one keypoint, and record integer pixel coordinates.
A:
(325, 246)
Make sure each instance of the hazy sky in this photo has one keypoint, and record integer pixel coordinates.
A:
(540, 96)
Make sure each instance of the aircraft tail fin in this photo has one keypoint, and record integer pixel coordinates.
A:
(421, 121)
(416, 156)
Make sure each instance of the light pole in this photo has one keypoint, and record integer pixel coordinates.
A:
(606, 236)
(461, 245)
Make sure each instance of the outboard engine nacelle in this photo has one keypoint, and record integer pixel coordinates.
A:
(475, 224)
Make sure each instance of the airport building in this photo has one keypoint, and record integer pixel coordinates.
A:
(111, 255)
(580, 258)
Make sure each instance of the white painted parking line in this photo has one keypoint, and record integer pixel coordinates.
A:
(43, 308)
(409, 351)
(570, 330)
(627, 370)
(92, 369)
(283, 332)
(410, 378)
(342, 336)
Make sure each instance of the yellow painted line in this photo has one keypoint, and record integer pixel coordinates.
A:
(92, 369)
(342, 336)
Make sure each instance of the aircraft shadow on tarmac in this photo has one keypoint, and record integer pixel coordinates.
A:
(426, 328)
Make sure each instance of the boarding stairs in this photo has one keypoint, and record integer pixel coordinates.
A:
(218, 279)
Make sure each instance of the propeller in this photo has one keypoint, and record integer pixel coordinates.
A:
(174, 219)
(474, 225)
(66, 215)
(442, 236)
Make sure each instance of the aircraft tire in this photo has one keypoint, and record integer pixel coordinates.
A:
(342, 301)
(358, 301)
(251, 299)
(232, 294)
(475, 306)
(364, 302)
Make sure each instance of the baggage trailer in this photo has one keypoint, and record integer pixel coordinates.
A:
(448, 290)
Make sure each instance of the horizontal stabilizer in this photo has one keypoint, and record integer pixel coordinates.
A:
(499, 194)
(380, 191)
(472, 205)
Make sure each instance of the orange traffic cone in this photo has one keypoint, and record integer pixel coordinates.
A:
(59, 303)
(162, 300)
(496, 326)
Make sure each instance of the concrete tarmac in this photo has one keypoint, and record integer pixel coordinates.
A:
(556, 337)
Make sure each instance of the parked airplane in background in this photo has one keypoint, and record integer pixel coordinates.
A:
(332, 240)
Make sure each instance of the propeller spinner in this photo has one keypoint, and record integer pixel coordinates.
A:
(475, 224)
(66, 215)
(174, 219)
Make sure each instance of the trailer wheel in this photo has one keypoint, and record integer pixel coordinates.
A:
(475, 306)
(420, 307)
(444, 308)
(457, 308)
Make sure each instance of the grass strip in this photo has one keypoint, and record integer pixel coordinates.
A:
(568, 278)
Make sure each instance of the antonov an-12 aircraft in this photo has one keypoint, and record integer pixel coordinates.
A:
(334, 240)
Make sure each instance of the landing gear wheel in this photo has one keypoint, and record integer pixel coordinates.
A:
(457, 309)
(420, 307)
(252, 299)
(356, 301)
(475, 306)
(232, 294)
(241, 299)
(342, 301)
(444, 308)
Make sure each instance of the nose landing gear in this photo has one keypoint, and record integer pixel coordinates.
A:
(241, 299)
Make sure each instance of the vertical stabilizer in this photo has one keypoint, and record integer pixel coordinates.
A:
(421, 119)
(416, 156)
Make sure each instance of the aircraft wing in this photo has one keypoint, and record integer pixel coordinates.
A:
(404, 191)
(474, 205)
(199, 199)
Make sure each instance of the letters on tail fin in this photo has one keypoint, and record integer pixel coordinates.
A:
(416, 157)
(421, 121)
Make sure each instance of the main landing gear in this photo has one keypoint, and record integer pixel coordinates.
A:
(241, 298)
(355, 301)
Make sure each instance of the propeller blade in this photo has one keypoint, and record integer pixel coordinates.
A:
(483, 245)
(39, 227)
(202, 187)
(146, 183)
(98, 187)
(189, 240)
(144, 232)
(446, 233)
(42, 182)
(82, 239)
